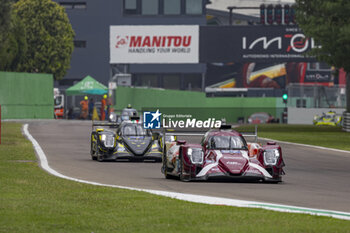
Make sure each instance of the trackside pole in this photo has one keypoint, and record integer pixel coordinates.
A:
(0, 124)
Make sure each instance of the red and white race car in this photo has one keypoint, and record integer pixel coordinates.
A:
(223, 153)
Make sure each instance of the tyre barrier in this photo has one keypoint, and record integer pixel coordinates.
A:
(346, 122)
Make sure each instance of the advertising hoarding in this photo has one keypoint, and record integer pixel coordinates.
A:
(154, 44)
(254, 44)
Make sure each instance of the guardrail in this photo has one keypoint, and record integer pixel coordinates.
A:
(346, 122)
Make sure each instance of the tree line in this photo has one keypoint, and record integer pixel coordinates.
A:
(35, 36)
(328, 22)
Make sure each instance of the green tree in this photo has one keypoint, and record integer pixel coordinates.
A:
(14, 47)
(328, 22)
(49, 37)
(5, 11)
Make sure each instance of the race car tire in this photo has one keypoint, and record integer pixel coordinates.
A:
(93, 152)
(99, 157)
(166, 175)
(182, 177)
(165, 167)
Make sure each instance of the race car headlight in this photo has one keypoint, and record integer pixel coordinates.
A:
(271, 156)
(196, 155)
(107, 140)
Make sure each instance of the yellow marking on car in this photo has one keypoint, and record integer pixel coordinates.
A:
(155, 152)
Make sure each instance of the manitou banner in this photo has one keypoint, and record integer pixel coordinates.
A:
(154, 44)
(256, 43)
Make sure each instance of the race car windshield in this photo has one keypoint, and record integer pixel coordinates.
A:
(226, 142)
(134, 130)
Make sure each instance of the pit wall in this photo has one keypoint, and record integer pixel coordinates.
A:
(196, 103)
(26, 96)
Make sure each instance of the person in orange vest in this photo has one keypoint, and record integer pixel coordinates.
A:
(84, 108)
(103, 108)
(109, 104)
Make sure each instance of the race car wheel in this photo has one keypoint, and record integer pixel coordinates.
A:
(167, 176)
(99, 157)
(165, 166)
(183, 177)
(92, 153)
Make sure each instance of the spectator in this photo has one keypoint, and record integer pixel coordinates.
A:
(91, 107)
(84, 108)
(109, 103)
(103, 108)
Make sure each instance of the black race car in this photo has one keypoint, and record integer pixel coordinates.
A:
(128, 140)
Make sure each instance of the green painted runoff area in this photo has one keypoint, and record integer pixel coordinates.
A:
(326, 136)
(26, 96)
(196, 103)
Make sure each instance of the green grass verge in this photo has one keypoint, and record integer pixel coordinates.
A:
(33, 201)
(326, 136)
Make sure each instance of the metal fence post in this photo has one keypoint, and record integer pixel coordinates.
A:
(0, 123)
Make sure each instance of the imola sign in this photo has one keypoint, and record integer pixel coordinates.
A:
(254, 44)
(298, 43)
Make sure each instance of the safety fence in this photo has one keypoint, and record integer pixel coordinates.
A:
(26, 96)
(316, 96)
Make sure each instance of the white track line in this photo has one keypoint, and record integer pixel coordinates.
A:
(311, 146)
(191, 197)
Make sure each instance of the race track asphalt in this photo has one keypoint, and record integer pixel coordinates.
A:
(314, 178)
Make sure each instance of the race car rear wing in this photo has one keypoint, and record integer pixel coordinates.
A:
(101, 123)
